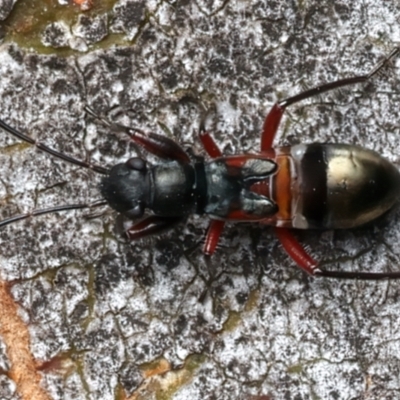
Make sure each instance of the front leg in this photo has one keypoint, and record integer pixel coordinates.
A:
(151, 225)
(154, 143)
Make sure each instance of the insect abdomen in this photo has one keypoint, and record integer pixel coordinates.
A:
(331, 186)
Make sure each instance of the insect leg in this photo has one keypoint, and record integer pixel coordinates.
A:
(150, 225)
(154, 143)
(209, 144)
(374, 276)
(158, 145)
(273, 118)
(207, 141)
(212, 236)
(296, 251)
(309, 265)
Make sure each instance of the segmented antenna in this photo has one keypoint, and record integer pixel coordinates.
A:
(96, 168)
(49, 150)
(49, 210)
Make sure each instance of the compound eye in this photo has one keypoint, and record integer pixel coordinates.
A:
(136, 211)
(136, 163)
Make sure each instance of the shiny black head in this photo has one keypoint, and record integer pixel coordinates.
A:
(127, 187)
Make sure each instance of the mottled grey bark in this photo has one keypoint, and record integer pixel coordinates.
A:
(260, 325)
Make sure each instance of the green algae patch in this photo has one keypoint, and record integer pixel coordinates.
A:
(29, 19)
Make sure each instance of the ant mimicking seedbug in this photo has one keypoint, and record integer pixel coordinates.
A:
(306, 186)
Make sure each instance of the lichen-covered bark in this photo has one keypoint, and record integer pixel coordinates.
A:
(155, 318)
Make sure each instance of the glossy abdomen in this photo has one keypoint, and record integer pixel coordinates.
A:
(330, 186)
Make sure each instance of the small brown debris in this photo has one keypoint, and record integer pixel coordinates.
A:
(15, 335)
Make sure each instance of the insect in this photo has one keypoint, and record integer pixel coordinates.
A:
(319, 186)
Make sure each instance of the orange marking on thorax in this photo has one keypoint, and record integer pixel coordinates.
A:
(281, 192)
(278, 188)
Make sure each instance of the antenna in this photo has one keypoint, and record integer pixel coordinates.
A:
(49, 150)
(49, 210)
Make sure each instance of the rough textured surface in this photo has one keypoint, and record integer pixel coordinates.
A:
(109, 317)
(5, 8)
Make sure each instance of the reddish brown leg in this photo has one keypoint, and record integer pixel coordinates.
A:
(309, 265)
(158, 145)
(271, 125)
(208, 142)
(212, 237)
(273, 118)
(209, 145)
(149, 226)
(294, 249)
